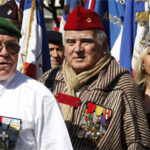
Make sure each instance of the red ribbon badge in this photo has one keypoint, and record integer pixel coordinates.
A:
(107, 113)
(68, 99)
(91, 107)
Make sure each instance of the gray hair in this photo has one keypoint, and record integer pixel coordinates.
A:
(101, 37)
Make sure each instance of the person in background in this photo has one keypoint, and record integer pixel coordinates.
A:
(56, 52)
(30, 118)
(142, 77)
(56, 49)
(100, 101)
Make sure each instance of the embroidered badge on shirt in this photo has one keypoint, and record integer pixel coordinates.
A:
(9, 131)
(94, 122)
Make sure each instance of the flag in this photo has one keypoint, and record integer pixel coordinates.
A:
(69, 6)
(34, 54)
(128, 36)
(142, 38)
(135, 33)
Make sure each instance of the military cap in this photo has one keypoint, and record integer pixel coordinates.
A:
(82, 19)
(54, 37)
(9, 19)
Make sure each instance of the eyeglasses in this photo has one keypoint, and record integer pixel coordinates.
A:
(11, 47)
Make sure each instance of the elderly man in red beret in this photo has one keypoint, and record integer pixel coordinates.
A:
(30, 118)
(99, 100)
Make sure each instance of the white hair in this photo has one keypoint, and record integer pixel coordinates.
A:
(101, 37)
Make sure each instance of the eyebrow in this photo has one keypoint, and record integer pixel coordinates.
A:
(11, 40)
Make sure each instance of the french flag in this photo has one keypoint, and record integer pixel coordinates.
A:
(34, 54)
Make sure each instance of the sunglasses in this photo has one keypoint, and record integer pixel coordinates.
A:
(11, 47)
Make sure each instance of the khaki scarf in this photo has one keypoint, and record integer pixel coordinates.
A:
(75, 81)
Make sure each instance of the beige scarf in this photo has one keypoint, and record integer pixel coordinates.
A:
(75, 81)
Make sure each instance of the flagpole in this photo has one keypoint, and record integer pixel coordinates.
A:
(29, 32)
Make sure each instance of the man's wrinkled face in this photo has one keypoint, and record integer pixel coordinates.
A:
(56, 52)
(82, 49)
(9, 48)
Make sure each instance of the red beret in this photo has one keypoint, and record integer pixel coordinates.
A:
(82, 19)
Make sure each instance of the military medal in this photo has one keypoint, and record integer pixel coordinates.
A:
(94, 122)
(3, 133)
(9, 131)
(14, 128)
(107, 113)
(2, 145)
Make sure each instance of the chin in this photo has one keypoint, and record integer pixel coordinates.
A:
(78, 70)
(54, 66)
(5, 77)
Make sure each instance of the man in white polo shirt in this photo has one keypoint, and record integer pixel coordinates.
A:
(30, 118)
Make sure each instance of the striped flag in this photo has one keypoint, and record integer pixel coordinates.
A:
(69, 6)
(34, 54)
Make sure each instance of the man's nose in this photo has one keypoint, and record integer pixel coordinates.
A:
(3, 50)
(78, 47)
(54, 53)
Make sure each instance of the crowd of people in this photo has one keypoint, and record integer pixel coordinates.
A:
(86, 101)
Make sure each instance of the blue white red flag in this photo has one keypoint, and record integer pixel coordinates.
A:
(34, 54)
(69, 6)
